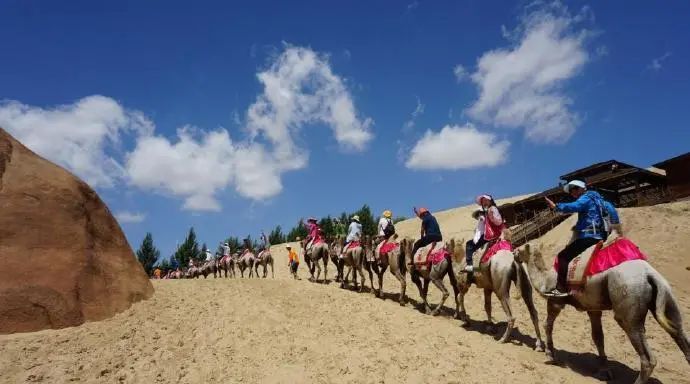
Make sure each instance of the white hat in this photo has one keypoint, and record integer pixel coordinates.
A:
(574, 183)
(355, 218)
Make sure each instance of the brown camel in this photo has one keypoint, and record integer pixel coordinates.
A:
(312, 256)
(264, 259)
(376, 263)
(352, 258)
(434, 273)
(246, 261)
(630, 289)
(496, 277)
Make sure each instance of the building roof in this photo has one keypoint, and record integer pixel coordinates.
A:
(673, 160)
(594, 169)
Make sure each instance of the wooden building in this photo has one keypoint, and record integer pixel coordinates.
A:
(677, 175)
(623, 184)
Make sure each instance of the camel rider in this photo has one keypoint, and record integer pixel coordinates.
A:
(386, 226)
(490, 226)
(226, 249)
(247, 246)
(314, 233)
(264, 241)
(594, 219)
(354, 233)
(430, 232)
(209, 256)
(191, 263)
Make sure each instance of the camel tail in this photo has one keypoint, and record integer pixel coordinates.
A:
(667, 313)
(451, 276)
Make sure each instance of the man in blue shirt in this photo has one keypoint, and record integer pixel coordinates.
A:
(431, 231)
(595, 216)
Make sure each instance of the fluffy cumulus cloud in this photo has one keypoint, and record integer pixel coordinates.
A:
(300, 91)
(521, 86)
(83, 137)
(126, 217)
(457, 147)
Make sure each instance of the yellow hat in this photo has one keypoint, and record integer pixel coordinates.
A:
(387, 214)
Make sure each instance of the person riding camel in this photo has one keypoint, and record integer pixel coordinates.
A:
(386, 226)
(314, 233)
(595, 216)
(247, 246)
(354, 233)
(430, 231)
(191, 263)
(209, 255)
(264, 242)
(490, 226)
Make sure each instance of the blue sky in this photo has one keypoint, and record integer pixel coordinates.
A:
(233, 118)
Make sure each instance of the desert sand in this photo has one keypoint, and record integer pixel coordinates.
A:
(287, 331)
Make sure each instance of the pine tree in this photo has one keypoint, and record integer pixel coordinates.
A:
(299, 231)
(148, 254)
(188, 250)
(202, 254)
(276, 236)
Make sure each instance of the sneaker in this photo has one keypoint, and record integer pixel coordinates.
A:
(556, 293)
(469, 268)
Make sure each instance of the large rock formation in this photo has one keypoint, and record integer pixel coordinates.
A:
(63, 257)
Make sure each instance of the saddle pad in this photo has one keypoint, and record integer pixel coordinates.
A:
(430, 256)
(598, 259)
(501, 245)
(386, 247)
(422, 254)
(353, 244)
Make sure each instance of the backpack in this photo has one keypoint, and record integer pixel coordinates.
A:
(389, 229)
(604, 215)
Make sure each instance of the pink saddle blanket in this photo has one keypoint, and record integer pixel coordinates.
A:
(501, 245)
(433, 257)
(353, 244)
(603, 259)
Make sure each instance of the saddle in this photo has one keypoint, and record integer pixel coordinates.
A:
(428, 256)
(600, 258)
(382, 250)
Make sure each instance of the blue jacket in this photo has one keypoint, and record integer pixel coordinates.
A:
(589, 207)
(430, 225)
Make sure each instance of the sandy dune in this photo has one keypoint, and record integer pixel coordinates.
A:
(286, 331)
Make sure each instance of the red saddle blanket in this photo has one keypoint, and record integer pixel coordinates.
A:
(426, 257)
(605, 258)
(501, 245)
(387, 247)
(353, 244)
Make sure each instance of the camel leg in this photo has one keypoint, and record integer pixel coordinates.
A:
(633, 325)
(529, 301)
(604, 373)
(379, 276)
(361, 274)
(403, 286)
(487, 309)
(371, 278)
(425, 288)
(505, 303)
(439, 284)
(273, 273)
(552, 312)
(325, 269)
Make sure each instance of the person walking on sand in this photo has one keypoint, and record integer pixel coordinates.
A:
(293, 261)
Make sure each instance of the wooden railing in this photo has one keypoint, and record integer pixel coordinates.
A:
(537, 226)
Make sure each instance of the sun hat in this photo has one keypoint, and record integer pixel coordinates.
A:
(387, 214)
(575, 183)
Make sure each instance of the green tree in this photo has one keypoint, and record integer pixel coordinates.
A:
(328, 227)
(188, 250)
(298, 231)
(276, 236)
(202, 254)
(165, 265)
(147, 254)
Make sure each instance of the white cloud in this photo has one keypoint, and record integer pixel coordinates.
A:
(460, 73)
(300, 90)
(125, 217)
(418, 111)
(522, 86)
(457, 147)
(189, 168)
(83, 137)
(657, 63)
(413, 5)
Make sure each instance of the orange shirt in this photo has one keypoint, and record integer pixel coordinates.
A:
(292, 256)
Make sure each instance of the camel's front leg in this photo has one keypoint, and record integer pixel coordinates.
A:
(439, 284)
(361, 274)
(460, 312)
(604, 373)
(425, 289)
(505, 303)
(379, 276)
(403, 286)
(325, 269)
(552, 311)
(487, 309)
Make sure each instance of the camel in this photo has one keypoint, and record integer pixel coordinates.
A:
(435, 273)
(496, 278)
(264, 259)
(209, 267)
(352, 258)
(246, 261)
(395, 259)
(312, 256)
(227, 265)
(630, 289)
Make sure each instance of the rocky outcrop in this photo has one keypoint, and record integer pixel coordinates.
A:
(63, 257)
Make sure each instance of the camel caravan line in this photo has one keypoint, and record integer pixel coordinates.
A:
(630, 289)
